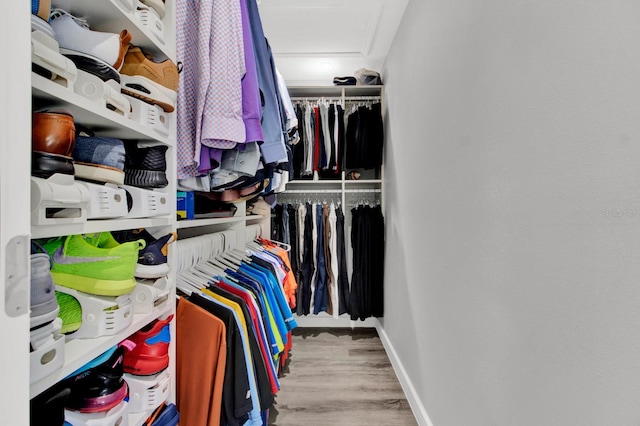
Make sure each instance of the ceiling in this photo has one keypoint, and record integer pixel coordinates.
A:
(315, 40)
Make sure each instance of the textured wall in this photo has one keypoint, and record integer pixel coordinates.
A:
(513, 210)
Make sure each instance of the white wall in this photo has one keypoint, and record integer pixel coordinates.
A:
(513, 222)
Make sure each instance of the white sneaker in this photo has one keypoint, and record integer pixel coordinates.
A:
(73, 33)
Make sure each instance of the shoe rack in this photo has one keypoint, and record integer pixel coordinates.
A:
(22, 92)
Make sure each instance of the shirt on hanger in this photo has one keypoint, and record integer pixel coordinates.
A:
(199, 374)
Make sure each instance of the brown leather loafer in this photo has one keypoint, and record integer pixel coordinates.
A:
(54, 133)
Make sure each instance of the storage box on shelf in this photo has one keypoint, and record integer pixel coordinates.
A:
(100, 106)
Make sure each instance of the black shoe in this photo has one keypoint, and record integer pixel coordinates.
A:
(99, 385)
(44, 165)
(146, 167)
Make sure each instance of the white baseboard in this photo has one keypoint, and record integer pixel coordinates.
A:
(419, 412)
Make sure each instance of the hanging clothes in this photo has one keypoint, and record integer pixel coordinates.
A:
(273, 149)
(237, 403)
(320, 287)
(364, 137)
(200, 375)
(333, 268)
(299, 149)
(244, 296)
(322, 136)
(343, 277)
(209, 102)
(322, 269)
(307, 270)
(367, 240)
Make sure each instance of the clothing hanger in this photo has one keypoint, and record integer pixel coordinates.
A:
(255, 246)
(198, 271)
(215, 262)
(236, 255)
(188, 283)
(227, 262)
(211, 270)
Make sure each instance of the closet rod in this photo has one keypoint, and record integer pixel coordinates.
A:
(311, 191)
(351, 191)
(334, 98)
(315, 98)
(361, 98)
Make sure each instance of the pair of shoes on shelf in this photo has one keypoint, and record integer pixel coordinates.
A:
(57, 149)
(99, 159)
(105, 264)
(95, 387)
(81, 263)
(99, 385)
(110, 56)
(148, 352)
(152, 259)
(99, 53)
(103, 159)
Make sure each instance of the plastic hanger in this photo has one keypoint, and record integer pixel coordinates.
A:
(210, 268)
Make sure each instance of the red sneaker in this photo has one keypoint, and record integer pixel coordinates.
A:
(151, 353)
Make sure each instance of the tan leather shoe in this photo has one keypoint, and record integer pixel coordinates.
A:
(153, 82)
(53, 132)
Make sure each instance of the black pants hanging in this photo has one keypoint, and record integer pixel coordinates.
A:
(293, 232)
(364, 138)
(277, 230)
(367, 240)
(307, 268)
(342, 275)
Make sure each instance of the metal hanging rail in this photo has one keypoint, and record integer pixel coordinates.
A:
(310, 191)
(315, 98)
(334, 98)
(361, 98)
(354, 191)
(330, 191)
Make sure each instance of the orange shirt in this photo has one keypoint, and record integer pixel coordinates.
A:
(290, 283)
(201, 353)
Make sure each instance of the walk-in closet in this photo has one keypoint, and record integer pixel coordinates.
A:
(280, 212)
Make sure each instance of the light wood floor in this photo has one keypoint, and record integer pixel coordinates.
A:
(339, 377)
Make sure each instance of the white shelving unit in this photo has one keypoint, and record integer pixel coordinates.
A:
(15, 146)
(116, 15)
(347, 191)
(76, 352)
(237, 223)
(110, 123)
(371, 182)
(111, 16)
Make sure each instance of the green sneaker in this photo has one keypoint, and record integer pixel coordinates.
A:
(83, 264)
(103, 240)
(70, 312)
